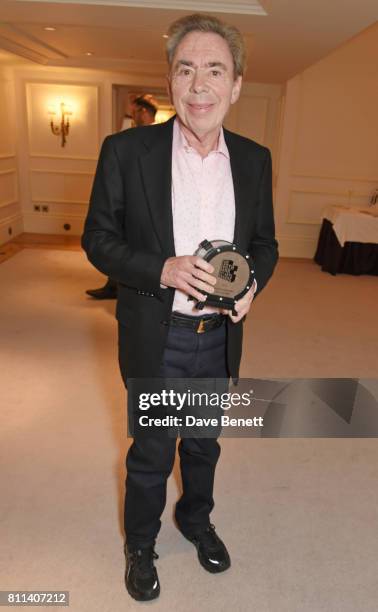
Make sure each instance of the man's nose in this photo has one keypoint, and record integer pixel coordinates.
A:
(198, 84)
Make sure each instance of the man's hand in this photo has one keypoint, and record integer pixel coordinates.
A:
(242, 306)
(189, 273)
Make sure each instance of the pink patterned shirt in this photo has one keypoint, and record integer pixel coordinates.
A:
(203, 203)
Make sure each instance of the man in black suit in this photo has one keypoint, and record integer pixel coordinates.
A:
(158, 192)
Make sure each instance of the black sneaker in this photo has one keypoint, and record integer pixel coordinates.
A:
(142, 581)
(212, 553)
(104, 293)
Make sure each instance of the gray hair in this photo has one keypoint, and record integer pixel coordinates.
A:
(206, 23)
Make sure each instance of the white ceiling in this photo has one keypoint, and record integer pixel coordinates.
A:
(292, 35)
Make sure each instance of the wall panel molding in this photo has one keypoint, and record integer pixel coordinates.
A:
(335, 177)
(83, 139)
(297, 120)
(294, 160)
(12, 189)
(263, 124)
(16, 222)
(315, 210)
(56, 201)
(10, 219)
(66, 172)
(8, 203)
(8, 171)
(60, 186)
(60, 216)
(77, 157)
(266, 116)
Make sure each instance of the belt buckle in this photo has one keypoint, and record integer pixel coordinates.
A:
(201, 327)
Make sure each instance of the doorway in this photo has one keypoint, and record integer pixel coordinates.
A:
(123, 96)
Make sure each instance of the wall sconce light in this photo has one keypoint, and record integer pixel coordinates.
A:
(63, 128)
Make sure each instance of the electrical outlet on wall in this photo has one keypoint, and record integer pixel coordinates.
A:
(45, 208)
(37, 208)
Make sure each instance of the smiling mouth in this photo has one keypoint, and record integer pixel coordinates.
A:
(200, 107)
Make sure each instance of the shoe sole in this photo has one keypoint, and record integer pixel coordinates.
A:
(139, 597)
(105, 297)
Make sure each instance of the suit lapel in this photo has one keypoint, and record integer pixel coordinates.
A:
(242, 175)
(156, 170)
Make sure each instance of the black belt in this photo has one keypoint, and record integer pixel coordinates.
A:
(197, 324)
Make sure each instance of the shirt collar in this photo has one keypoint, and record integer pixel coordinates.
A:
(183, 145)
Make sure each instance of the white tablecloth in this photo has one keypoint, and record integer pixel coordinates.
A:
(352, 225)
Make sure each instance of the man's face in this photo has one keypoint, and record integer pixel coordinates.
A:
(201, 82)
(141, 116)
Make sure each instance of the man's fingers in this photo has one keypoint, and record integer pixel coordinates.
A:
(194, 282)
(239, 306)
(235, 318)
(202, 280)
(201, 263)
(245, 302)
(189, 273)
(189, 290)
(205, 276)
(242, 307)
(198, 284)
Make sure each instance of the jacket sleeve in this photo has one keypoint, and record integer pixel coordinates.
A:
(103, 238)
(263, 246)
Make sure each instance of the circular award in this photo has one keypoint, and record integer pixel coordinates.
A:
(233, 270)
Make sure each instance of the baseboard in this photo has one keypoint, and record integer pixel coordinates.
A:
(290, 246)
(47, 223)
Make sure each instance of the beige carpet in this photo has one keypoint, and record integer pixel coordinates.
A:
(299, 516)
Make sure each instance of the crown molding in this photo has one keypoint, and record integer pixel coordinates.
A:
(156, 69)
(243, 7)
(22, 51)
(20, 36)
(15, 40)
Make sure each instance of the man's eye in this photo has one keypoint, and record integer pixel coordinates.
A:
(215, 73)
(185, 71)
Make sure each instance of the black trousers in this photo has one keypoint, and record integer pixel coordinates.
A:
(150, 459)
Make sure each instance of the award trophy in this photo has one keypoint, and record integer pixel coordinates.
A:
(233, 270)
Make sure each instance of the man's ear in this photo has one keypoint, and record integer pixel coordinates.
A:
(236, 89)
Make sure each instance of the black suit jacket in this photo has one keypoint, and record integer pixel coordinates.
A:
(128, 232)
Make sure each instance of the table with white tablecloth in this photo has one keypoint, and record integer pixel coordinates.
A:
(348, 241)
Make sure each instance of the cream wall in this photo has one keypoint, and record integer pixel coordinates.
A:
(61, 178)
(10, 209)
(55, 176)
(329, 152)
(257, 115)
